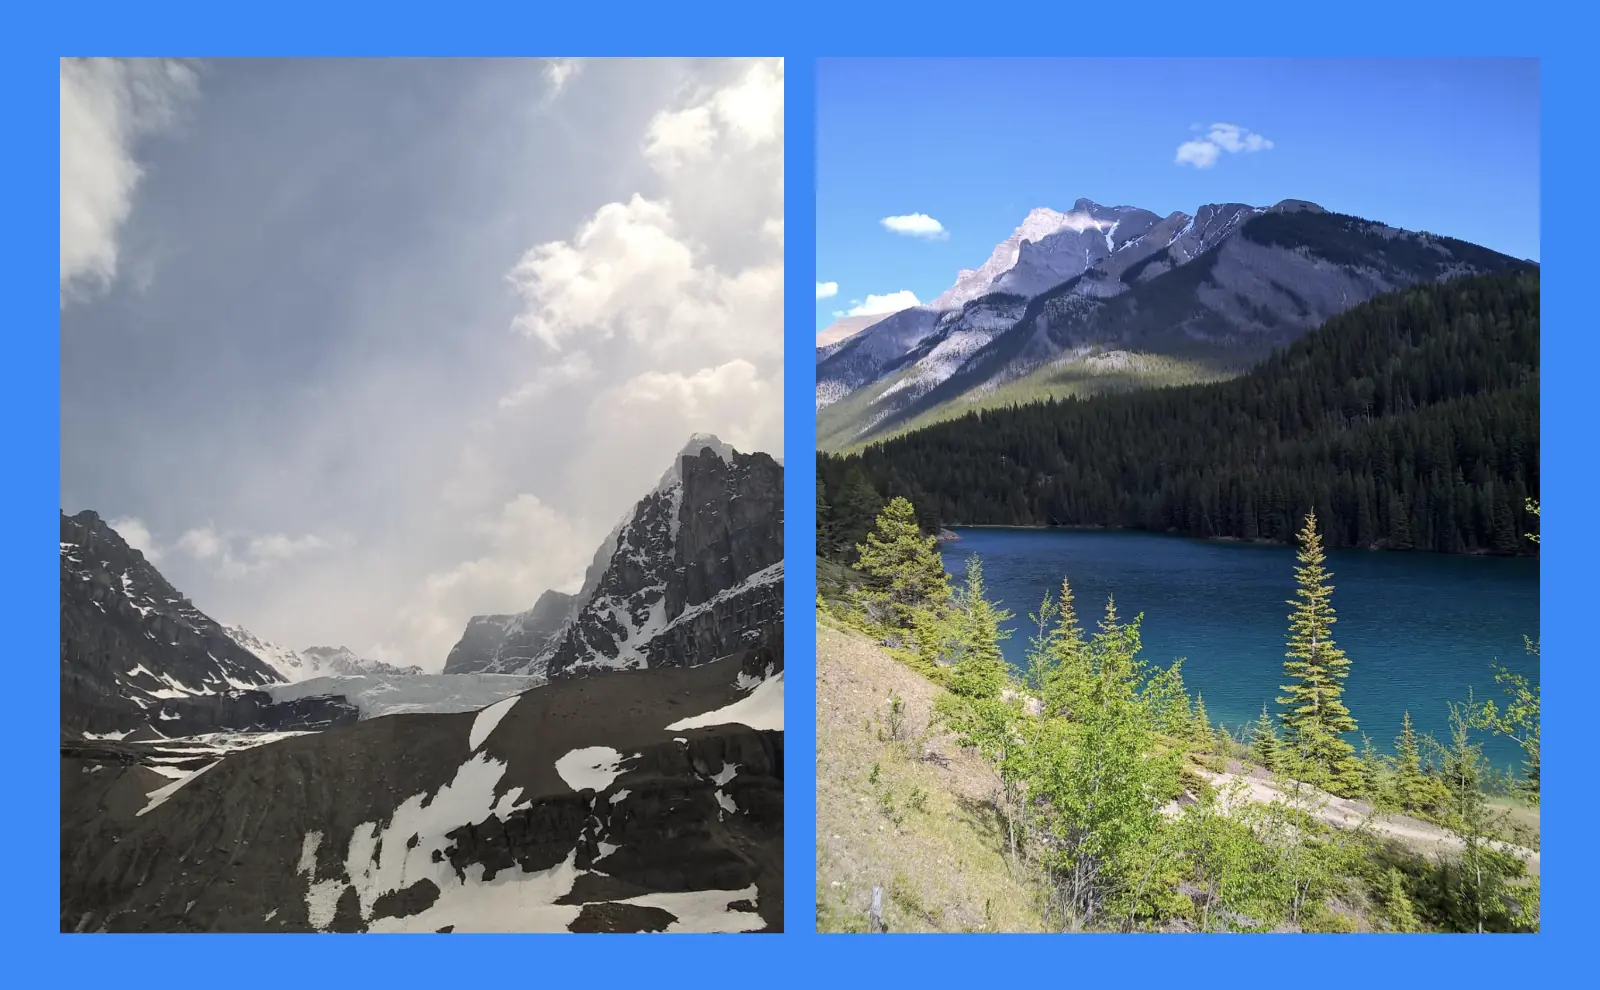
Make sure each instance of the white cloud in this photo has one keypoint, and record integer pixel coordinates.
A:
(892, 302)
(203, 543)
(827, 290)
(1230, 138)
(107, 106)
(916, 225)
(234, 555)
(559, 71)
(137, 535)
(744, 115)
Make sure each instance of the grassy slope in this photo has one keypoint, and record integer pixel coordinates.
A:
(838, 424)
(923, 827)
(916, 815)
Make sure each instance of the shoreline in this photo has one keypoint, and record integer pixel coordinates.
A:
(953, 529)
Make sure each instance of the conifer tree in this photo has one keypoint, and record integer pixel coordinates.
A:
(1264, 739)
(980, 669)
(1409, 779)
(1065, 672)
(905, 565)
(1316, 717)
(1201, 728)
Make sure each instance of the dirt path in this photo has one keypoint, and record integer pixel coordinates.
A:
(1346, 813)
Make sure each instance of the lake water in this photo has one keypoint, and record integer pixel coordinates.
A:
(1420, 629)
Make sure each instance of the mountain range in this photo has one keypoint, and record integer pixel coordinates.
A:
(1099, 299)
(621, 769)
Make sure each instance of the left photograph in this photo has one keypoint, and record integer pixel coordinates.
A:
(422, 495)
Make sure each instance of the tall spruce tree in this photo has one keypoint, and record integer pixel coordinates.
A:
(980, 669)
(1316, 718)
(905, 566)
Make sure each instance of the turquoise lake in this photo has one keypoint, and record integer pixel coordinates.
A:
(1420, 629)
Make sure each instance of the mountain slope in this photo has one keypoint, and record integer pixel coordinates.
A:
(1110, 291)
(1410, 421)
(135, 652)
(643, 801)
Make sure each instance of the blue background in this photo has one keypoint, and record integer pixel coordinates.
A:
(36, 37)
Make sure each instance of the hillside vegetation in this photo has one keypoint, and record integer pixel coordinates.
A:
(1090, 791)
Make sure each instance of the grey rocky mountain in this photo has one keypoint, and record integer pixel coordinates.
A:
(693, 572)
(647, 799)
(486, 633)
(137, 654)
(1098, 296)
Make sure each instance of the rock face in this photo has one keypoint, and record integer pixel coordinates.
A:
(643, 800)
(1115, 297)
(695, 572)
(135, 652)
(531, 630)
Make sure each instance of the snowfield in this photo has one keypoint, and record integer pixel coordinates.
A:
(377, 695)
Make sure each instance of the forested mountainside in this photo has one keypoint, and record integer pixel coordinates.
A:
(1410, 421)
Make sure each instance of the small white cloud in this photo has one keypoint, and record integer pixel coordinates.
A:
(827, 290)
(916, 225)
(559, 71)
(137, 535)
(892, 302)
(1204, 152)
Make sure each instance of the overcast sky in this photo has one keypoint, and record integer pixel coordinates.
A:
(358, 349)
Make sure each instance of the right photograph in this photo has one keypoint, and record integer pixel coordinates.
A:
(1177, 495)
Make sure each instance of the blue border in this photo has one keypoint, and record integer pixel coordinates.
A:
(29, 397)
(799, 499)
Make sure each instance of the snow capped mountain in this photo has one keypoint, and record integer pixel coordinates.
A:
(315, 661)
(340, 661)
(1214, 291)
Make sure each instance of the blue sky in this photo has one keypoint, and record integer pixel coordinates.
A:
(1448, 146)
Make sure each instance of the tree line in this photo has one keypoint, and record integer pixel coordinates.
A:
(1409, 422)
(1133, 812)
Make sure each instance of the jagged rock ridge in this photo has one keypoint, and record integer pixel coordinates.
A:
(1099, 291)
(693, 573)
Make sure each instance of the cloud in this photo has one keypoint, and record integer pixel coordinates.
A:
(916, 225)
(1230, 138)
(234, 555)
(107, 106)
(827, 290)
(892, 302)
(735, 118)
(559, 71)
(137, 535)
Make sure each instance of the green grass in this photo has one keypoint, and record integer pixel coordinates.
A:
(838, 424)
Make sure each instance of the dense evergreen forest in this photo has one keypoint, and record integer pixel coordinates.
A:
(1410, 422)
